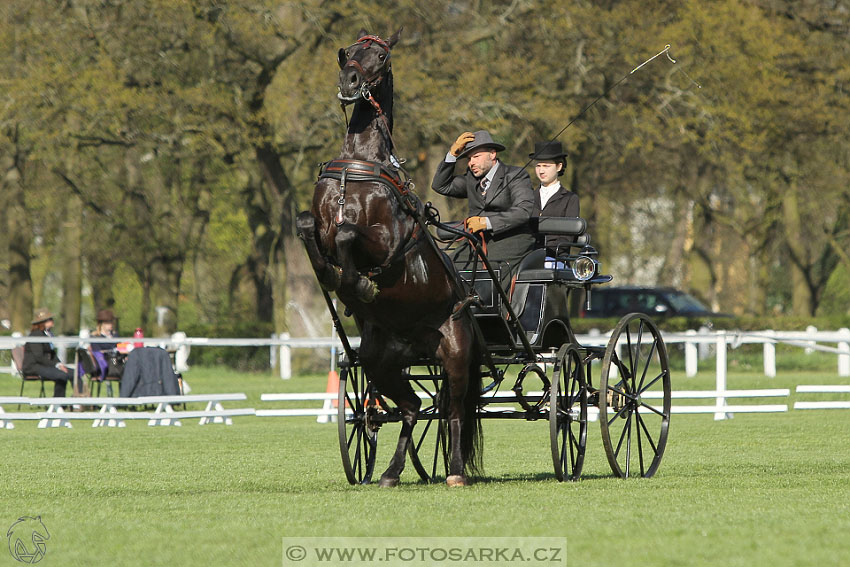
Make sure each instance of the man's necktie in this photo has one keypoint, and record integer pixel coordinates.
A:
(482, 186)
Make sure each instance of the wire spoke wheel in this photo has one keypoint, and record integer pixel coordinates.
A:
(358, 435)
(428, 449)
(568, 414)
(634, 397)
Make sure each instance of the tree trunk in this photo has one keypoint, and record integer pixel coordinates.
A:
(165, 295)
(100, 274)
(5, 313)
(19, 236)
(801, 295)
(72, 278)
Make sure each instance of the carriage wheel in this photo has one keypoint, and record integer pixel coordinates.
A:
(634, 397)
(428, 449)
(568, 414)
(358, 438)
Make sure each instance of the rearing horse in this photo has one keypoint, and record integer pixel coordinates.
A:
(366, 244)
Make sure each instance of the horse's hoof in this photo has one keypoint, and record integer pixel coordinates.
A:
(388, 482)
(456, 480)
(367, 290)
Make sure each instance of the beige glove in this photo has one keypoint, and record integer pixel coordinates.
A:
(476, 224)
(461, 142)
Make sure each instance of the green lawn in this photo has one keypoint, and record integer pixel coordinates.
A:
(770, 489)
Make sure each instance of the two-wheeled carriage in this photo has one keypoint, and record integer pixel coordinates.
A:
(528, 342)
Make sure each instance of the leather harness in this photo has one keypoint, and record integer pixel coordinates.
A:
(344, 170)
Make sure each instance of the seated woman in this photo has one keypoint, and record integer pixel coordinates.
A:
(41, 358)
(551, 199)
(109, 358)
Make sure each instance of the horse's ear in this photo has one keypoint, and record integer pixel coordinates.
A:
(362, 33)
(341, 58)
(394, 38)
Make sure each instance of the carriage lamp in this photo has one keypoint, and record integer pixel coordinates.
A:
(584, 268)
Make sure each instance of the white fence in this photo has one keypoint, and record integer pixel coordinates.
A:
(693, 341)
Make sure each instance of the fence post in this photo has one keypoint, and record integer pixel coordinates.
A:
(691, 355)
(181, 353)
(811, 330)
(844, 347)
(704, 348)
(285, 358)
(770, 355)
(720, 385)
(273, 353)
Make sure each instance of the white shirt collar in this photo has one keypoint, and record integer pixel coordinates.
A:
(546, 193)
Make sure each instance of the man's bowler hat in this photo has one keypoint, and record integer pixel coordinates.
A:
(483, 140)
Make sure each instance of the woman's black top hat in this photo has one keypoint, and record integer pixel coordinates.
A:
(548, 151)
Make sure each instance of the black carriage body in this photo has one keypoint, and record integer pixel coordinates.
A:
(538, 299)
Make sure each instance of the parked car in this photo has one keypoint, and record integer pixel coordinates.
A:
(660, 302)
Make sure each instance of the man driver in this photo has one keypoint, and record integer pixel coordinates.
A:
(499, 195)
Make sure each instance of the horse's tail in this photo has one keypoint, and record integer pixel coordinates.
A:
(471, 438)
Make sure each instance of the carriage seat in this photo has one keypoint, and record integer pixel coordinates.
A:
(562, 226)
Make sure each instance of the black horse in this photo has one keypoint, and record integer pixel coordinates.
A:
(366, 242)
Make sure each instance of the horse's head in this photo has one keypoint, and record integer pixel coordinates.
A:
(363, 65)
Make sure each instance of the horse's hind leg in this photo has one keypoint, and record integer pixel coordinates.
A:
(408, 403)
(329, 276)
(455, 353)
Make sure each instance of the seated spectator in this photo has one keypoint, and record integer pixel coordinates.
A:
(106, 353)
(41, 358)
(106, 329)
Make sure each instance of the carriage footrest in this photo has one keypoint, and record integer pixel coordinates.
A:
(495, 329)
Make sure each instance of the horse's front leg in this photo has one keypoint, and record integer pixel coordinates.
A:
(352, 239)
(329, 276)
(399, 391)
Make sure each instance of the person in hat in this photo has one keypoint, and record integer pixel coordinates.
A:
(500, 197)
(106, 353)
(105, 328)
(552, 199)
(42, 359)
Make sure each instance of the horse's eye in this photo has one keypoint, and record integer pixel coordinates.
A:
(382, 56)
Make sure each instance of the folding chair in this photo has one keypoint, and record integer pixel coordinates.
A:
(96, 367)
(18, 361)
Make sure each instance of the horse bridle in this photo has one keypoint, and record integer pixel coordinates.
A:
(368, 82)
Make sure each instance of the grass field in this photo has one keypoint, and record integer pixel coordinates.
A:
(770, 489)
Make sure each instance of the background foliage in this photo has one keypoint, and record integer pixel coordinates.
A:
(153, 153)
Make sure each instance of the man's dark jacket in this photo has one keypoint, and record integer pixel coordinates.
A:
(508, 204)
(35, 354)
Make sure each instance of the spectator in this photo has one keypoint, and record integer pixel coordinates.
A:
(41, 358)
(105, 329)
(106, 353)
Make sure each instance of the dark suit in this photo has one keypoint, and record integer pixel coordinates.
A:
(508, 204)
(563, 203)
(41, 359)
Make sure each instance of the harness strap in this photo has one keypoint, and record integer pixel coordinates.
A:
(360, 170)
